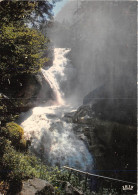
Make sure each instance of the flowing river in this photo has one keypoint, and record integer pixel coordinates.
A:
(53, 139)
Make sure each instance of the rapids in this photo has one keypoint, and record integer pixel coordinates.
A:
(53, 140)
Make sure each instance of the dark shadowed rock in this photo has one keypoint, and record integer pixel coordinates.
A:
(112, 145)
(36, 187)
(45, 92)
(108, 121)
(27, 90)
(35, 90)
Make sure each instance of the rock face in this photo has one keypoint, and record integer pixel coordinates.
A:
(36, 187)
(35, 90)
(27, 91)
(112, 145)
(108, 127)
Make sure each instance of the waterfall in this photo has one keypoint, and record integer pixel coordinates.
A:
(55, 74)
(52, 138)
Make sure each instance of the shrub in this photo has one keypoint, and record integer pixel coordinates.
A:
(18, 165)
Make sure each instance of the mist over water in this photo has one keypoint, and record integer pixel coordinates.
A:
(52, 138)
(102, 38)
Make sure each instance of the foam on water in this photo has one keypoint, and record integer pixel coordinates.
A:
(52, 138)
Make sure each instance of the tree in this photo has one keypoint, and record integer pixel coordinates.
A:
(33, 12)
(21, 50)
(22, 45)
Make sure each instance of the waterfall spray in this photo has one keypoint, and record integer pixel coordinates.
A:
(49, 131)
(55, 74)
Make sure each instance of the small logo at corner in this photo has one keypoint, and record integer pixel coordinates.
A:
(127, 187)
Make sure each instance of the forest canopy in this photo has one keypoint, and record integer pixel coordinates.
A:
(22, 43)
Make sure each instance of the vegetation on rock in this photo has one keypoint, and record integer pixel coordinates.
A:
(14, 133)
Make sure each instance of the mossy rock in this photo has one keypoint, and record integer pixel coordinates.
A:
(14, 133)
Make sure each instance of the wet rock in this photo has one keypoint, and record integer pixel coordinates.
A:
(112, 145)
(36, 187)
(45, 93)
(68, 117)
(110, 134)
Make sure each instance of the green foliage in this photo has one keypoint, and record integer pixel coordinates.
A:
(14, 133)
(22, 47)
(8, 111)
(21, 50)
(22, 11)
(23, 53)
(15, 10)
(18, 165)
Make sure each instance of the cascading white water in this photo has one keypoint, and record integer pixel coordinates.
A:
(52, 138)
(56, 73)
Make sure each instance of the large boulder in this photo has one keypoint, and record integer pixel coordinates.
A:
(36, 187)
